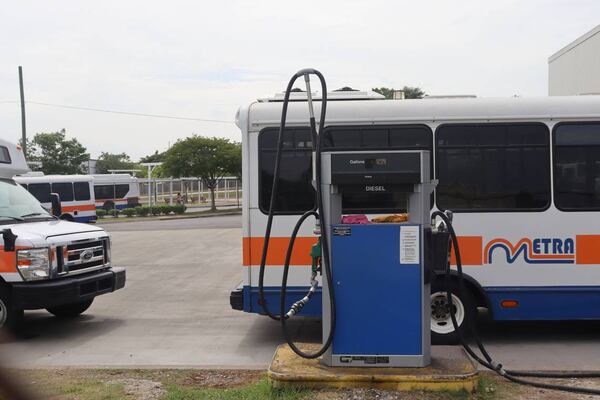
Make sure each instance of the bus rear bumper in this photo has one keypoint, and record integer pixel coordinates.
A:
(246, 298)
(236, 298)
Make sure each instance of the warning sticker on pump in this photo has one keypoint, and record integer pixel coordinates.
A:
(342, 231)
(409, 245)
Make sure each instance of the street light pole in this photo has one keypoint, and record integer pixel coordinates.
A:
(23, 128)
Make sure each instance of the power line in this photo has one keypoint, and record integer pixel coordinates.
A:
(84, 108)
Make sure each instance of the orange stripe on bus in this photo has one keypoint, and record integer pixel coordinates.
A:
(588, 249)
(471, 250)
(83, 207)
(252, 248)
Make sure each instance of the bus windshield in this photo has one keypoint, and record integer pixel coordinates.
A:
(17, 204)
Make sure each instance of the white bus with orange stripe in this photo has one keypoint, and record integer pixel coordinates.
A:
(76, 193)
(522, 176)
(118, 191)
(46, 262)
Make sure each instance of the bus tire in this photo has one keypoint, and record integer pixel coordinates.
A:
(70, 310)
(108, 205)
(442, 329)
(67, 217)
(10, 317)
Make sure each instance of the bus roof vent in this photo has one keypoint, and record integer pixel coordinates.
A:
(346, 89)
(345, 93)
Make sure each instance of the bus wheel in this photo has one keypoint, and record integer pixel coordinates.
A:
(10, 317)
(67, 217)
(108, 205)
(442, 329)
(70, 310)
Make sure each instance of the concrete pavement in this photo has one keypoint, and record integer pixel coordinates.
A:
(174, 312)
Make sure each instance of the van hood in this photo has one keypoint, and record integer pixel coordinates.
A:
(44, 229)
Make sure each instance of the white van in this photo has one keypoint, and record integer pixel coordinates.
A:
(46, 262)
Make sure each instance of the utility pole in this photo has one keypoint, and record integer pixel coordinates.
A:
(23, 128)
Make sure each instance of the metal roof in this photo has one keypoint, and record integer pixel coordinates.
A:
(574, 43)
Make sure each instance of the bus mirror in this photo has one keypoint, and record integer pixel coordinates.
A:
(56, 207)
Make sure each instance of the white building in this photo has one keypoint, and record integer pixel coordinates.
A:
(575, 69)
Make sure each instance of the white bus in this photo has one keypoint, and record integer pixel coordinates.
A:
(116, 191)
(522, 176)
(75, 192)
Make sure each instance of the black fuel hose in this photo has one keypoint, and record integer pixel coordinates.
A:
(317, 211)
(274, 191)
(486, 360)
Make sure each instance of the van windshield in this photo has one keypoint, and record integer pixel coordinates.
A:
(17, 204)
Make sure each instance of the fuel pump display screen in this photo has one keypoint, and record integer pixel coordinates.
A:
(372, 162)
(375, 168)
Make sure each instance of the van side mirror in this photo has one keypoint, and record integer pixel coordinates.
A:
(56, 206)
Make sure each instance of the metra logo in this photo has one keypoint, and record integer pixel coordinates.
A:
(533, 251)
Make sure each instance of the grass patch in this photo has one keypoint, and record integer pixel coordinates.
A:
(259, 390)
(79, 389)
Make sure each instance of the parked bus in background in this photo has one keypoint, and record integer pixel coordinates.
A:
(47, 263)
(75, 191)
(116, 191)
(522, 176)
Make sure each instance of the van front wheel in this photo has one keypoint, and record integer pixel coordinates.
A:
(10, 317)
(70, 310)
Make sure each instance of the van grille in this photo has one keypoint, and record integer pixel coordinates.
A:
(82, 256)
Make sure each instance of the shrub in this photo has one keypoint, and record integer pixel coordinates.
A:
(129, 212)
(115, 212)
(179, 209)
(155, 210)
(142, 211)
(101, 213)
(166, 210)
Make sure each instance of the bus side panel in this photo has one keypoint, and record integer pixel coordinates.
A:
(546, 303)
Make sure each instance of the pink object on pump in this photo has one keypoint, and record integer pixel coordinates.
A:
(355, 219)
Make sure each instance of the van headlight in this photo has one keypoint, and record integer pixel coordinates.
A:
(34, 264)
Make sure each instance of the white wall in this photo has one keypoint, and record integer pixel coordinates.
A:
(575, 69)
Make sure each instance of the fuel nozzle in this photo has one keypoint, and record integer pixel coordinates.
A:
(315, 255)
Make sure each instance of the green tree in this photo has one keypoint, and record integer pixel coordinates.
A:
(108, 161)
(410, 92)
(57, 154)
(156, 157)
(210, 159)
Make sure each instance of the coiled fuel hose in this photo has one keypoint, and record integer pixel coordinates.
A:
(317, 211)
(485, 359)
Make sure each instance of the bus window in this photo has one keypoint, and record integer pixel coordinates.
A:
(121, 190)
(64, 190)
(4, 155)
(295, 189)
(104, 192)
(82, 191)
(41, 191)
(577, 166)
(493, 167)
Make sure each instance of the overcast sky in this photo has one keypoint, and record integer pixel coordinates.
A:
(203, 59)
